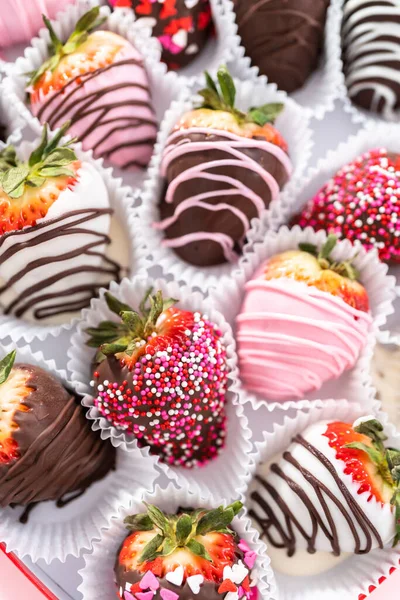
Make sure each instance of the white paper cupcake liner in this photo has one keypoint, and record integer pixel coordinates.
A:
(355, 574)
(98, 572)
(121, 201)
(55, 533)
(326, 84)
(165, 87)
(386, 379)
(380, 288)
(293, 124)
(372, 135)
(229, 472)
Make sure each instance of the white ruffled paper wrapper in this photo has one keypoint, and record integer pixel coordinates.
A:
(165, 87)
(98, 572)
(14, 123)
(355, 574)
(325, 85)
(386, 379)
(121, 201)
(56, 533)
(292, 123)
(380, 288)
(229, 472)
(372, 135)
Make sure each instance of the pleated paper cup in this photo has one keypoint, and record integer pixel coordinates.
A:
(326, 84)
(127, 227)
(229, 472)
(293, 124)
(386, 379)
(98, 572)
(372, 135)
(355, 573)
(164, 87)
(379, 286)
(56, 533)
(10, 119)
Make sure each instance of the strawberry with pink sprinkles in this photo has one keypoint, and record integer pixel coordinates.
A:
(160, 375)
(361, 202)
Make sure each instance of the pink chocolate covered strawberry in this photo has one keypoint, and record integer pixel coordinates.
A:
(361, 202)
(161, 375)
(96, 80)
(193, 553)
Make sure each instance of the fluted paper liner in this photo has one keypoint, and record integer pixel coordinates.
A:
(379, 286)
(56, 533)
(325, 84)
(372, 135)
(165, 87)
(121, 201)
(356, 573)
(98, 572)
(386, 379)
(292, 123)
(229, 472)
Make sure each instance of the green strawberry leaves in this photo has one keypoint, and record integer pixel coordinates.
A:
(181, 531)
(344, 268)
(6, 364)
(224, 100)
(133, 329)
(49, 159)
(86, 24)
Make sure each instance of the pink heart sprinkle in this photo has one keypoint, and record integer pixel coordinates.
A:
(128, 596)
(149, 581)
(168, 594)
(250, 559)
(144, 595)
(244, 546)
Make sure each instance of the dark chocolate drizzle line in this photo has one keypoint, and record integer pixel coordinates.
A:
(282, 535)
(86, 106)
(76, 297)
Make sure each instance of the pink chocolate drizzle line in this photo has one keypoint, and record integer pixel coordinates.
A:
(233, 146)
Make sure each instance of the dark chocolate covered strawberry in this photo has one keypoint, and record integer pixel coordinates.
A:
(193, 553)
(161, 375)
(223, 167)
(47, 448)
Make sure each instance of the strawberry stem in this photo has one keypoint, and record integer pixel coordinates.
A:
(224, 100)
(6, 364)
(180, 531)
(344, 268)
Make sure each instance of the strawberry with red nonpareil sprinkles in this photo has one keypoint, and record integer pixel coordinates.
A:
(361, 202)
(161, 375)
(193, 553)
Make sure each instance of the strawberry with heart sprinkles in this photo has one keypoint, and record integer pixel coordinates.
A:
(183, 555)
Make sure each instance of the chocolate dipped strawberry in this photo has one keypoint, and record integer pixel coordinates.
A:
(96, 80)
(193, 553)
(304, 320)
(181, 26)
(223, 167)
(161, 376)
(47, 448)
(335, 489)
(54, 226)
(361, 202)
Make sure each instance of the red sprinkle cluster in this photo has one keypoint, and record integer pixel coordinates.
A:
(174, 399)
(362, 202)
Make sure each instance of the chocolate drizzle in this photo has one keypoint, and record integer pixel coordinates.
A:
(102, 111)
(281, 533)
(44, 298)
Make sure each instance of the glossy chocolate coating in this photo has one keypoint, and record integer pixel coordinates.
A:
(59, 452)
(283, 38)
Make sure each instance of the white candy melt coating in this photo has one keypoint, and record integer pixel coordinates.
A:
(89, 192)
(380, 516)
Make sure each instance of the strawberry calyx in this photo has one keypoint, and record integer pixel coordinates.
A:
(49, 159)
(86, 24)
(323, 256)
(223, 99)
(6, 364)
(180, 531)
(386, 461)
(124, 338)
